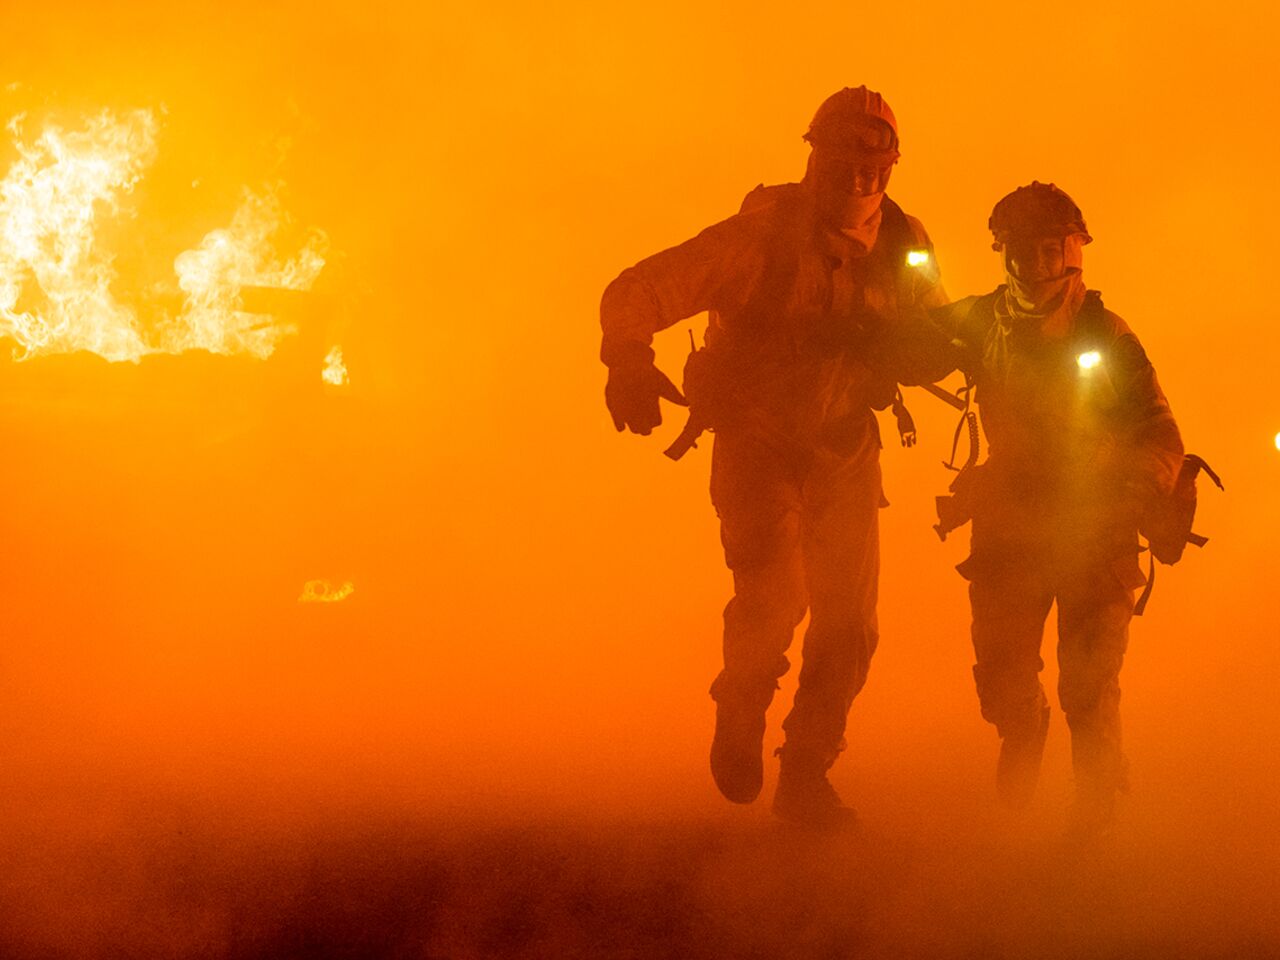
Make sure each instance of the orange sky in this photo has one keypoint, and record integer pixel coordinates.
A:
(537, 607)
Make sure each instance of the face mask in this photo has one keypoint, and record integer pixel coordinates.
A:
(1041, 295)
(1038, 297)
(836, 181)
(859, 209)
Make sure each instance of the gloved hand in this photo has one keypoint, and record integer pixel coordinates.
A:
(634, 387)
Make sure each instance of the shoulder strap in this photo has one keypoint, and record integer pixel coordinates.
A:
(1091, 321)
(896, 229)
(896, 242)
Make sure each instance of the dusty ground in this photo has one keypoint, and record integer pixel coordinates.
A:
(134, 875)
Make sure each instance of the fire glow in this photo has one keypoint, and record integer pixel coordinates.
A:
(326, 591)
(335, 368)
(56, 280)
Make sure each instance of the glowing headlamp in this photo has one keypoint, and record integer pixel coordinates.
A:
(1278, 441)
(1088, 361)
(917, 258)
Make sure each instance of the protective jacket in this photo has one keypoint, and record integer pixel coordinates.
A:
(1082, 414)
(810, 327)
(1080, 432)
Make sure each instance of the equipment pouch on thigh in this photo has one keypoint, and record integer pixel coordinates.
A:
(959, 507)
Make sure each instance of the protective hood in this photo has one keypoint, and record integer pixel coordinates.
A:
(1053, 306)
(858, 216)
(863, 236)
(1039, 299)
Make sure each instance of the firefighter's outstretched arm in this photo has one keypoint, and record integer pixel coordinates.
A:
(654, 294)
(933, 346)
(919, 349)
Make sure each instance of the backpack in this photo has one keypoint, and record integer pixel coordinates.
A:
(1166, 522)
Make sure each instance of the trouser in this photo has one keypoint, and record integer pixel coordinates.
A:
(1011, 596)
(800, 532)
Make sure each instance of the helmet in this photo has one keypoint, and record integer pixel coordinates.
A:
(858, 119)
(1036, 210)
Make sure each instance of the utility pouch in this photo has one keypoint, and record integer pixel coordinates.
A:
(953, 513)
(705, 388)
(1166, 522)
(958, 508)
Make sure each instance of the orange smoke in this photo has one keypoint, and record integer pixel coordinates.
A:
(537, 600)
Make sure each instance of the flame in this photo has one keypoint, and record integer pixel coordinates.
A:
(56, 281)
(236, 256)
(323, 591)
(50, 203)
(335, 368)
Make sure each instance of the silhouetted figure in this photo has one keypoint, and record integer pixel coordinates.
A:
(1081, 443)
(816, 290)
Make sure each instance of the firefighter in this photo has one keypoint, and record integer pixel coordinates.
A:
(1082, 441)
(815, 291)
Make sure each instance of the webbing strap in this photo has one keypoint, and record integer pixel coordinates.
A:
(1146, 591)
(967, 419)
(1201, 465)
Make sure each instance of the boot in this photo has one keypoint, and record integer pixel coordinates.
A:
(1018, 769)
(1092, 813)
(805, 796)
(737, 764)
(1101, 774)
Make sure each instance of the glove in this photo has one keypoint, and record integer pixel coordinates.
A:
(634, 387)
